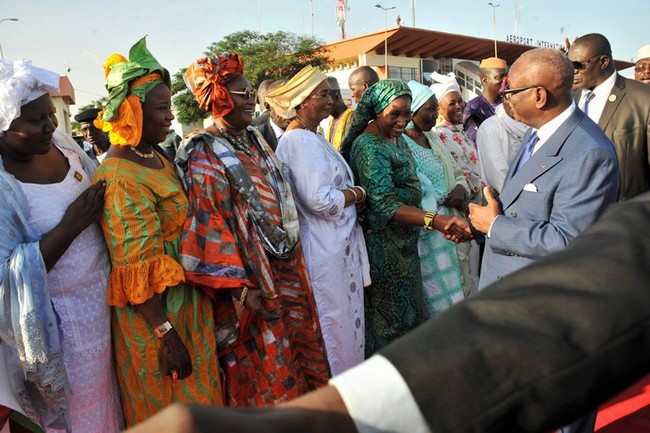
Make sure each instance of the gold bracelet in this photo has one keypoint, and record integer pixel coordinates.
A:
(242, 297)
(429, 219)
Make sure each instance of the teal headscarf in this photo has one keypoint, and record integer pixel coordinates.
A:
(421, 94)
(373, 101)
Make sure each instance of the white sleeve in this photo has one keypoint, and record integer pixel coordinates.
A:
(378, 399)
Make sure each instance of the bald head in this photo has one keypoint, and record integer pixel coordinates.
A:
(262, 89)
(595, 41)
(360, 79)
(591, 56)
(544, 77)
(545, 67)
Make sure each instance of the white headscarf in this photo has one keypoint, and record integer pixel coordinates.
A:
(20, 83)
(443, 84)
(643, 53)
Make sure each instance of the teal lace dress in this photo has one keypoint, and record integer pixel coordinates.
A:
(442, 277)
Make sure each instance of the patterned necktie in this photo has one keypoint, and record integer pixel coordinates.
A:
(585, 107)
(528, 150)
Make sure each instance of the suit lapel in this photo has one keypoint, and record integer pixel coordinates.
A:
(543, 160)
(615, 98)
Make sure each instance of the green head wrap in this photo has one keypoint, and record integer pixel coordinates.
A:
(120, 73)
(373, 101)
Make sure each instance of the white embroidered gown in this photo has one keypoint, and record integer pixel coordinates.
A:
(78, 288)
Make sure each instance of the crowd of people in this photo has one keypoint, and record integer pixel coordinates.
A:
(280, 258)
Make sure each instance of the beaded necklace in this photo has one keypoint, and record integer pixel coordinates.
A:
(239, 142)
(147, 155)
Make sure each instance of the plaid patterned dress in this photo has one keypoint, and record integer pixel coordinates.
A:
(265, 362)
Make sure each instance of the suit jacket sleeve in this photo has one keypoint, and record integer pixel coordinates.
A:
(585, 191)
(543, 346)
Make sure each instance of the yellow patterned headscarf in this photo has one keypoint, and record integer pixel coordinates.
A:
(128, 81)
(284, 99)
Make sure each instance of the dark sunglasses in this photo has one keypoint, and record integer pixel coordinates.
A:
(579, 66)
(248, 92)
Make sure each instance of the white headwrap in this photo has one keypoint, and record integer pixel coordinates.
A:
(643, 53)
(443, 84)
(20, 83)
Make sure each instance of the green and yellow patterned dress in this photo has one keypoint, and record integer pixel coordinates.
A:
(143, 218)
(394, 302)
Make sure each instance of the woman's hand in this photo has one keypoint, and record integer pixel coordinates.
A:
(456, 198)
(253, 303)
(174, 356)
(453, 228)
(85, 209)
(78, 216)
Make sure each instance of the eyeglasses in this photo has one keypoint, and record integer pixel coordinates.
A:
(248, 92)
(324, 94)
(642, 66)
(508, 92)
(579, 66)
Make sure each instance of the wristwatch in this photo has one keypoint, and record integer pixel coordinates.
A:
(429, 218)
(161, 330)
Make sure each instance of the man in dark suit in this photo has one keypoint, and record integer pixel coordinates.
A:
(560, 182)
(620, 107)
(538, 348)
(269, 123)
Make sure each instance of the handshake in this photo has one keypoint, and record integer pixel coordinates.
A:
(453, 228)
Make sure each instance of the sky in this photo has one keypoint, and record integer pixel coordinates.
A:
(81, 34)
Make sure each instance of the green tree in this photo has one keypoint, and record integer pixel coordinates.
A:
(267, 56)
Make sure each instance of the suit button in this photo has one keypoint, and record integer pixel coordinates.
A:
(513, 214)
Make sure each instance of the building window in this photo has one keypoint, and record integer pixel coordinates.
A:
(404, 74)
(445, 66)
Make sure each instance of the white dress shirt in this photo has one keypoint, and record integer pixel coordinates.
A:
(276, 129)
(378, 399)
(601, 93)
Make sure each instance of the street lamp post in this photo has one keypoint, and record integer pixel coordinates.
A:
(385, 36)
(2, 55)
(494, 22)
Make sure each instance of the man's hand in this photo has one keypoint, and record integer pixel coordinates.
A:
(483, 216)
(453, 228)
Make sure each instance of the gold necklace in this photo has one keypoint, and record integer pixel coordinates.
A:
(303, 124)
(148, 155)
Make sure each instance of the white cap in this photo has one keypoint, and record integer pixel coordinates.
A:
(643, 53)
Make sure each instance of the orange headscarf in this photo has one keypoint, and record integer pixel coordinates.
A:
(206, 79)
